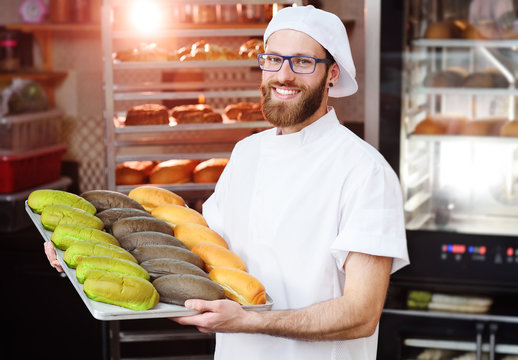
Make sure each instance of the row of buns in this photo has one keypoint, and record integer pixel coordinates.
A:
(469, 30)
(456, 124)
(174, 171)
(223, 266)
(157, 114)
(199, 50)
(459, 77)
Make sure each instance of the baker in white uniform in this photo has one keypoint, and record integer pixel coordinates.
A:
(314, 211)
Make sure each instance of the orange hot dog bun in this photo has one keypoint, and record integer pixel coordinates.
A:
(215, 255)
(239, 285)
(151, 197)
(192, 234)
(176, 214)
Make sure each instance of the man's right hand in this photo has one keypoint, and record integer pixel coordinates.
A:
(52, 256)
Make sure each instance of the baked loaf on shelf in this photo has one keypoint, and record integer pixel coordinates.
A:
(175, 171)
(244, 111)
(147, 114)
(209, 171)
(195, 114)
(133, 172)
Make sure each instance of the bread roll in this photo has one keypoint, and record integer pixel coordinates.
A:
(147, 114)
(175, 214)
(133, 172)
(167, 266)
(110, 216)
(476, 128)
(233, 110)
(181, 110)
(80, 249)
(144, 238)
(252, 115)
(151, 197)
(450, 77)
(107, 199)
(107, 263)
(135, 224)
(215, 255)
(176, 171)
(510, 129)
(127, 291)
(430, 126)
(209, 171)
(239, 285)
(65, 235)
(192, 234)
(177, 288)
(439, 30)
(149, 252)
(440, 124)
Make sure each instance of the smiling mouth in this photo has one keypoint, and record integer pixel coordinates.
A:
(286, 92)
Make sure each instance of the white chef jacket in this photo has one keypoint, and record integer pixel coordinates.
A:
(292, 207)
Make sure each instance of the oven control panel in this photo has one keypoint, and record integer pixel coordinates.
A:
(496, 254)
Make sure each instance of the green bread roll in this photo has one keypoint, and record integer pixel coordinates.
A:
(128, 291)
(101, 262)
(81, 249)
(65, 235)
(39, 199)
(53, 215)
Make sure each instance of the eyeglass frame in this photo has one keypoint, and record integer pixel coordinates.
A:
(284, 58)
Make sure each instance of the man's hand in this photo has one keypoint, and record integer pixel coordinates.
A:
(52, 256)
(216, 316)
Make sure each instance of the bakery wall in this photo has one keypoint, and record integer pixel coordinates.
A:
(81, 98)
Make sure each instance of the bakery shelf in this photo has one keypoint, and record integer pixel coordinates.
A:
(139, 65)
(212, 2)
(206, 31)
(164, 157)
(182, 86)
(164, 129)
(148, 96)
(464, 91)
(466, 43)
(464, 139)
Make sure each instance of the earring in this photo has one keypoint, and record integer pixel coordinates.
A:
(331, 84)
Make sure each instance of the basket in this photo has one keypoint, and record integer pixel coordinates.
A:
(19, 171)
(29, 131)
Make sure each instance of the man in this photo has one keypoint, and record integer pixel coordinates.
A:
(315, 213)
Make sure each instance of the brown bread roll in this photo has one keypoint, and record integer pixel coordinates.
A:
(147, 114)
(167, 266)
(148, 252)
(177, 288)
(192, 234)
(135, 224)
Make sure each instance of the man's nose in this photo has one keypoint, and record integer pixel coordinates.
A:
(285, 72)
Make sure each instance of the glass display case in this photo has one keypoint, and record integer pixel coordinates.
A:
(458, 133)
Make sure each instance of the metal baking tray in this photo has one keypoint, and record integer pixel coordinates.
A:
(103, 311)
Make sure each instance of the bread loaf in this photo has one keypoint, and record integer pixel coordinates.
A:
(147, 114)
(232, 111)
(175, 171)
(175, 214)
(209, 171)
(133, 172)
(151, 197)
(239, 285)
(510, 129)
(192, 234)
(215, 255)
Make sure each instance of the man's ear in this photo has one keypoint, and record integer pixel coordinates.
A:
(334, 73)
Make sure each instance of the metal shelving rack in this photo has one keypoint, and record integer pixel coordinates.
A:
(163, 142)
(166, 142)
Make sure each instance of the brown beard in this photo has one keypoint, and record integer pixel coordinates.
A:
(284, 114)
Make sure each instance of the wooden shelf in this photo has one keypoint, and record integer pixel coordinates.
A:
(47, 79)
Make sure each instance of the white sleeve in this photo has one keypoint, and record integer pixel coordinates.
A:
(372, 219)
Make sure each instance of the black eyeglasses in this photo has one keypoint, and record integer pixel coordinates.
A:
(298, 64)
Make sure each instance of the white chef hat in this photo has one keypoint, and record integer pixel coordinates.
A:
(328, 30)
